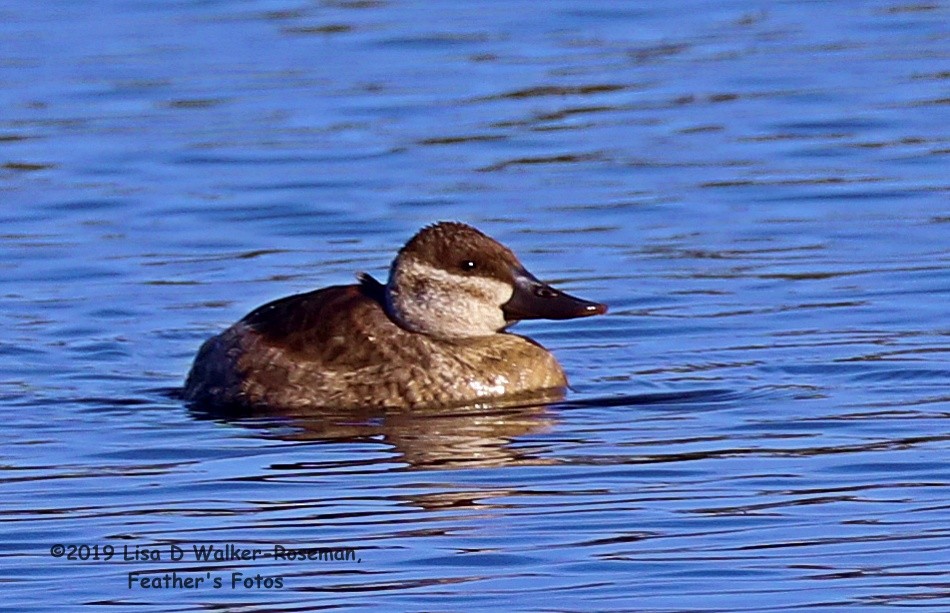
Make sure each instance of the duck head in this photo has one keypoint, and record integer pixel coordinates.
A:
(452, 281)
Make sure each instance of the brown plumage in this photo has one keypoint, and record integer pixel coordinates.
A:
(433, 336)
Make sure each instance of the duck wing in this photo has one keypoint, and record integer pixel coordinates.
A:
(338, 326)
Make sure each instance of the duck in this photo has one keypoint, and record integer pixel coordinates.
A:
(434, 335)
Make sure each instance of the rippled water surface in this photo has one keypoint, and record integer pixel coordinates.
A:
(758, 189)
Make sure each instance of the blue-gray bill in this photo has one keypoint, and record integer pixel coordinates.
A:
(533, 299)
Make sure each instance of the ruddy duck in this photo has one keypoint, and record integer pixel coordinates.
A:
(433, 335)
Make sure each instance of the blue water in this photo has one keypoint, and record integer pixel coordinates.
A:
(758, 189)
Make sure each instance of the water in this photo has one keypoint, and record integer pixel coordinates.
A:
(759, 191)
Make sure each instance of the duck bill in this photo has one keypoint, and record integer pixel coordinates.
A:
(533, 299)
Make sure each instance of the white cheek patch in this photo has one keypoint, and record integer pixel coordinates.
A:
(436, 301)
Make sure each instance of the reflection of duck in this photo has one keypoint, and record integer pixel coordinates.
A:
(432, 336)
(469, 436)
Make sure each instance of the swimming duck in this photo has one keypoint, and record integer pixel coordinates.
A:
(433, 335)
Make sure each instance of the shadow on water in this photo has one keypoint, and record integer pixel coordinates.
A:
(471, 436)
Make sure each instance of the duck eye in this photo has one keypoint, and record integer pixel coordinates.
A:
(467, 265)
